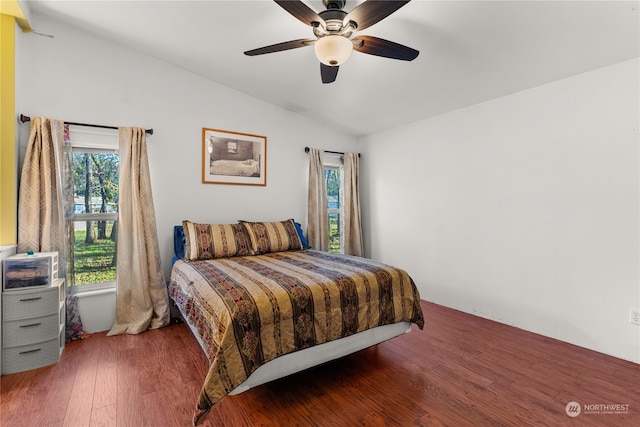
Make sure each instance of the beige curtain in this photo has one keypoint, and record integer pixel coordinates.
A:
(317, 217)
(40, 211)
(353, 244)
(141, 300)
(43, 208)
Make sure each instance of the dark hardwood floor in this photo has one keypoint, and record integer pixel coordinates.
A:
(460, 371)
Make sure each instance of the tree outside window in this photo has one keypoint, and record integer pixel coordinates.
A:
(333, 176)
(95, 216)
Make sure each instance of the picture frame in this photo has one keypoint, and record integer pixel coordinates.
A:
(233, 158)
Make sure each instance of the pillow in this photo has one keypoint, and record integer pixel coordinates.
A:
(178, 244)
(268, 237)
(208, 241)
(178, 241)
(303, 239)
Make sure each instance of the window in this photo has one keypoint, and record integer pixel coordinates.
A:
(94, 222)
(334, 183)
(232, 147)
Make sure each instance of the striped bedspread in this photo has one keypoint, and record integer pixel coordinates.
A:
(250, 310)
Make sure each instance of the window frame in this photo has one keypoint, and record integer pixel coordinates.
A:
(97, 143)
(335, 162)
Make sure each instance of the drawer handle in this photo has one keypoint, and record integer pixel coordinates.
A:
(31, 325)
(31, 299)
(29, 351)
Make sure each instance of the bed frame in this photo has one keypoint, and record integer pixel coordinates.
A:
(307, 358)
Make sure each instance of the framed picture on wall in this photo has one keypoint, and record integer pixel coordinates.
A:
(233, 158)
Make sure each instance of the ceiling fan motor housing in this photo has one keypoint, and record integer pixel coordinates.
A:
(334, 24)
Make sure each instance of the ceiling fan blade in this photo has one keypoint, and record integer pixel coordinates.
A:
(301, 11)
(293, 44)
(380, 47)
(371, 12)
(328, 73)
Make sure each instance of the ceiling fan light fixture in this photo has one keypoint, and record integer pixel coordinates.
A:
(333, 50)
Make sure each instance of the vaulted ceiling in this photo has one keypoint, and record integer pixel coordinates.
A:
(470, 51)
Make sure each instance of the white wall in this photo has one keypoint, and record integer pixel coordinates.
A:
(78, 77)
(523, 209)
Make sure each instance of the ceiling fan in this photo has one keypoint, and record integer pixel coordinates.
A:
(333, 29)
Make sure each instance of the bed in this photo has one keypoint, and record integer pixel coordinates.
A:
(247, 167)
(262, 305)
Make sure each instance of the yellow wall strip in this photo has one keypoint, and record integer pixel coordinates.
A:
(8, 177)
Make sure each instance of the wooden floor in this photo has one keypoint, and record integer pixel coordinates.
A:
(460, 371)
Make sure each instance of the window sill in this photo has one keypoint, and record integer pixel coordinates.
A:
(94, 291)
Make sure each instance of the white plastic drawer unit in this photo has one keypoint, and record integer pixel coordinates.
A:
(29, 331)
(29, 270)
(33, 323)
(29, 303)
(31, 356)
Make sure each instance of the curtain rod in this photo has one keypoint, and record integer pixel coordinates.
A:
(24, 118)
(306, 150)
